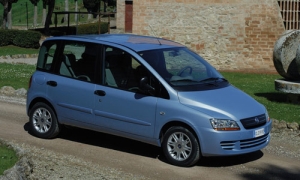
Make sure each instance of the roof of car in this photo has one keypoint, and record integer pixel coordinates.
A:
(134, 42)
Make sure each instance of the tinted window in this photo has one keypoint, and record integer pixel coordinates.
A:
(124, 72)
(46, 56)
(78, 60)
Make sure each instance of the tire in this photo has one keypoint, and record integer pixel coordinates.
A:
(181, 147)
(43, 122)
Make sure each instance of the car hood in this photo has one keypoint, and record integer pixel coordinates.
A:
(228, 102)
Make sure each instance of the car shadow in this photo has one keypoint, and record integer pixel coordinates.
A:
(108, 141)
(225, 161)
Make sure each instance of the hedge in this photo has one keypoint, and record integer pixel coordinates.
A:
(21, 38)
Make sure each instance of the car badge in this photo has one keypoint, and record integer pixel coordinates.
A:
(256, 120)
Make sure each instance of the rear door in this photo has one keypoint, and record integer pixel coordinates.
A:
(71, 87)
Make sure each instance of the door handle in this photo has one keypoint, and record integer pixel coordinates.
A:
(100, 93)
(52, 83)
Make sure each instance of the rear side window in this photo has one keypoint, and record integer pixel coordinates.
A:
(78, 60)
(46, 56)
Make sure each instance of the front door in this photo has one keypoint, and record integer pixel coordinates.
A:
(119, 105)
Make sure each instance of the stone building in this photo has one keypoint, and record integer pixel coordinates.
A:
(233, 35)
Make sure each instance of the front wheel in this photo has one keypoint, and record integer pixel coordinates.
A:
(181, 147)
(43, 121)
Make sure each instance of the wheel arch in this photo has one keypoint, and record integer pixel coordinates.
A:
(43, 100)
(177, 123)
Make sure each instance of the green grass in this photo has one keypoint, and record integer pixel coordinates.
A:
(19, 13)
(15, 75)
(261, 87)
(8, 158)
(13, 50)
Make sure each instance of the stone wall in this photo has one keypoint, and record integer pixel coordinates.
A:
(233, 35)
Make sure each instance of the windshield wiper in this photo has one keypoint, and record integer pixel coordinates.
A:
(214, 79)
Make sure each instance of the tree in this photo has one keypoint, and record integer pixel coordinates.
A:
(35, 2)
(76, 10)
(66, 9)
(51, 4)
(44, 12)
(91, 6)
(7, 19)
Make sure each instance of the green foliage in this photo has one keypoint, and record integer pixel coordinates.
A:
(8, 158)
(27, 39)
(7, 37)
(92, 28)
(21, 38)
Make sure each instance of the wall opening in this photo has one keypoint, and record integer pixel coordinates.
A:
(128, 16)
(290, 13)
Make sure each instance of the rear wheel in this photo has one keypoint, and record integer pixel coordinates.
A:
(43, 121)
(180, 146)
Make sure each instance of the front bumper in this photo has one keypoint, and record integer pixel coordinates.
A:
(226, 143)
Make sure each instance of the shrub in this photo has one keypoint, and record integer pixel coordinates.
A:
(27, 39)
(21, 38)
(92, 28)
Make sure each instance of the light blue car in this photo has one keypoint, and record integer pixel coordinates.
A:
(147, 89)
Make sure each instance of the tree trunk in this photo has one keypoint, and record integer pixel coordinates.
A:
(5, 12)
(51, 4)
(9, 18)
(44, 14)
(35, 16)
(66, 9)
(76, 10)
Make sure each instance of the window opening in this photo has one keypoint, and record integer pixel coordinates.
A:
(290, 13)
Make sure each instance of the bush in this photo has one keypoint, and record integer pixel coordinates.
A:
(92, 28)
(21, 38)
(7, 36)
(27, 39)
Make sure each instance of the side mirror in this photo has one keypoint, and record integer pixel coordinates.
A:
(144, 86)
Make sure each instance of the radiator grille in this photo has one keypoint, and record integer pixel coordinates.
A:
(254, 122)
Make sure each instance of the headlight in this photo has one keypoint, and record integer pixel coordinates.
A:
(267, 116)
(224, 125)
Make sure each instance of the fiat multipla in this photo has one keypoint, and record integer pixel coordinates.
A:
(147, 89)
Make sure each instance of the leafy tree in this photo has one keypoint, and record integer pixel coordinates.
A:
(7, 20)
(91, 6)
(35, 2)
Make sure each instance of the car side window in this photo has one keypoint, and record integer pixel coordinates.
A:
(78, 60)
(46, 55)
(123, 71)
(120, 69)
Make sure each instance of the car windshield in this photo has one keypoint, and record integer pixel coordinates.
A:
(181, 67)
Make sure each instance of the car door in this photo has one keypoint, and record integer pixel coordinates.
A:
(72, 87)
(119, 106)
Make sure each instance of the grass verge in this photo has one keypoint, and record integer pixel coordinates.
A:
(8, 158)
(262, 88)
(14, 50)
(15, 75)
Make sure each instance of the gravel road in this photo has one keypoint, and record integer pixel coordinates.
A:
(76, 158)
